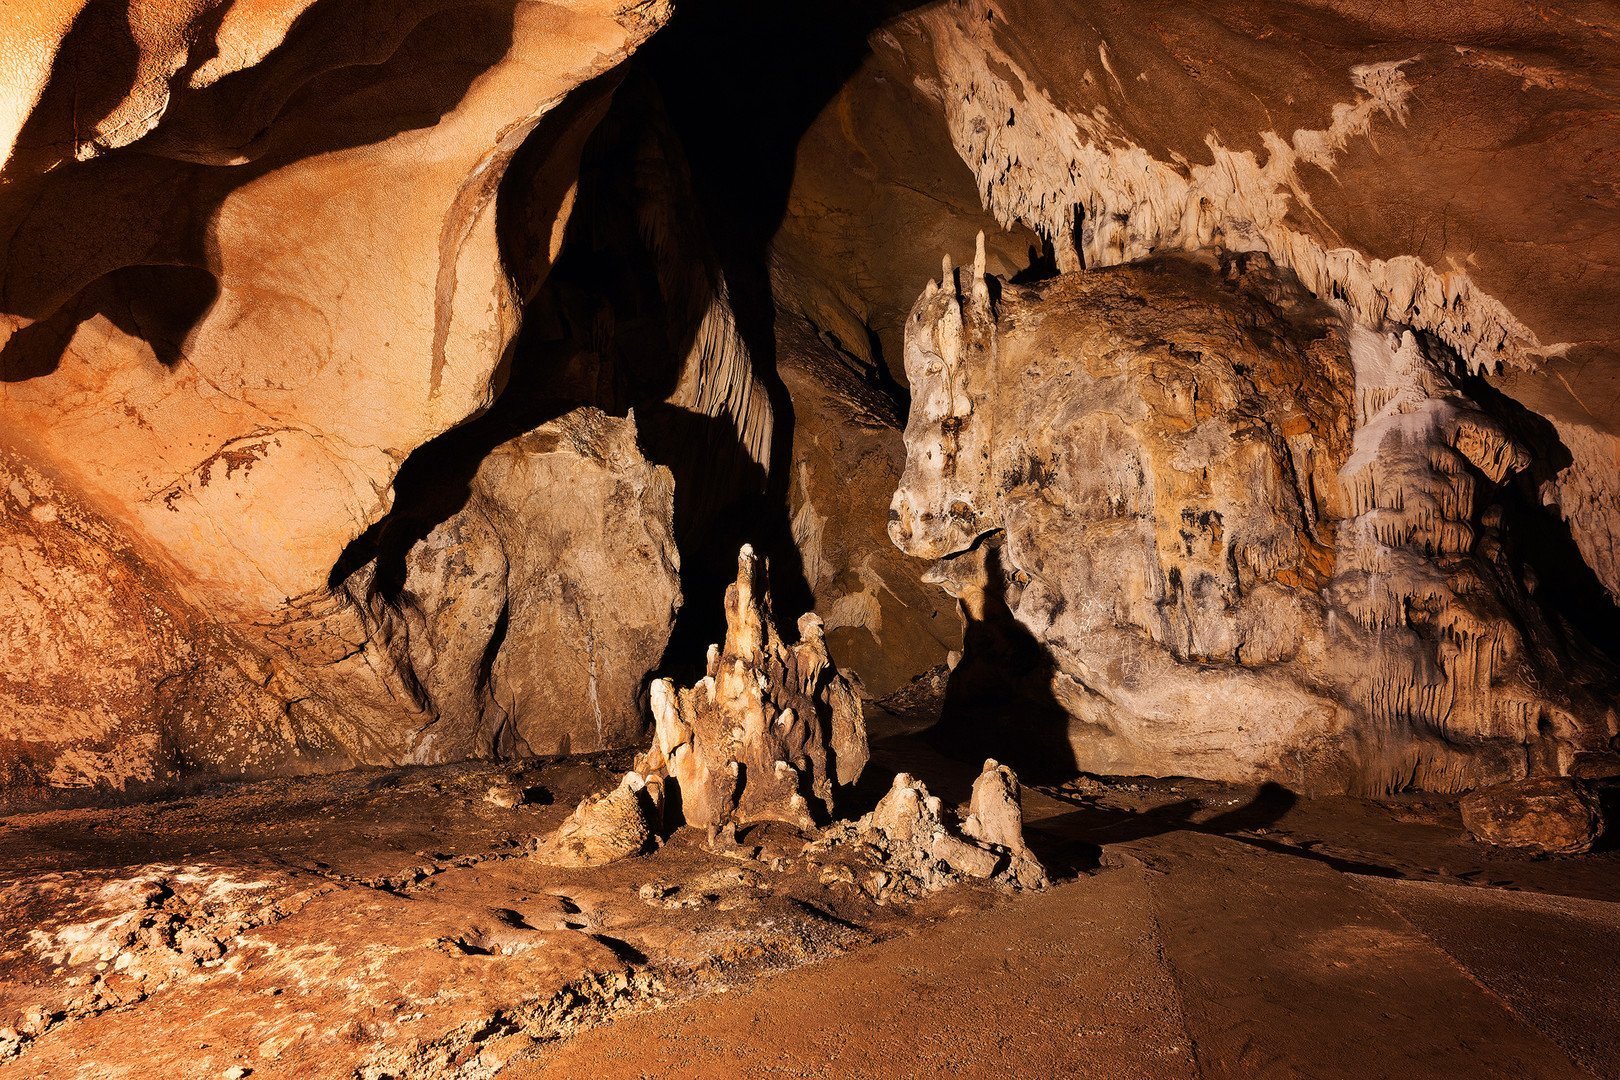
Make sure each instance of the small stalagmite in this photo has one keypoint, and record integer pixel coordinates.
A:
(910, 847)
(995, 819)
(605, 827)
(768, 733)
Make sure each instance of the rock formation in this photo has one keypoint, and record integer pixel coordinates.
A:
(1550, 815)
(253, 261)
(1403, 178)
(1232, 538)
(373, 384)
(605, 827)
(768, 734)
(906, 847)
(996, 820)
(524, 623)
(882, 621)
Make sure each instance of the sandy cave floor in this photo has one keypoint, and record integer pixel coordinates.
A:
(389, 923)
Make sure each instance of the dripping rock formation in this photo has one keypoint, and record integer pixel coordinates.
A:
(1212, 532)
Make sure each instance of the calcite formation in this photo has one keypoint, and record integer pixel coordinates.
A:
(1222, 534)
(770, 732)
(911, 845)
(884, 623)
(605, 827)
(1408, 179)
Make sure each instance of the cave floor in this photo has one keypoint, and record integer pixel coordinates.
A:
(388, 923)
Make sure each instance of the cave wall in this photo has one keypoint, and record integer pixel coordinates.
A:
(253, 260)
(397, 385)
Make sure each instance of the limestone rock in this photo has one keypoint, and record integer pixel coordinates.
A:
(253, 259)
(111, 680)
(769, 733)
(913, 849)
(1554, 815)
(1400, 179)
(996, 820)
(505, 796)
(1203, 528)
(603, 828)
(883, 622)
(525, 622)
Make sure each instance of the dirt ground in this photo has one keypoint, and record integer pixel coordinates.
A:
(390, 924)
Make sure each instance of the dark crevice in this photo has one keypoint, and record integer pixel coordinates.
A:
(1570, 601)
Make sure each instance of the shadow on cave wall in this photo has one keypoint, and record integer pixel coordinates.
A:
(741, 82)
(682, 187)
(998, 699)
(1569, 611)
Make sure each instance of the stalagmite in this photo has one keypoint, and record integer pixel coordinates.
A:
(913, 847)
(768, 734)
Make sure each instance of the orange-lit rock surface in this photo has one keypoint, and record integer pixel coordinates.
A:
(254, 256)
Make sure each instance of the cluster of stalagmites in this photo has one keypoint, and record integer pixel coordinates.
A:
(772, 733)
(906, 846)
(1216, 529)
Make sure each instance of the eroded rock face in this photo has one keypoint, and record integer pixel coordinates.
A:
(110, 680)
(1211, 532)
(526, 622)
(1550, 814)
(769, 733)
(253, 260)
(1393, 157)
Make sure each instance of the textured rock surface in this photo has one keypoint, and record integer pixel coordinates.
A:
(883, 622)
(110, 680)
(252, 260)
(908, 846)
(1392, 156)
(377, 923)
(526, 622)
(1551, 814)
(995, 819)
(768, 734)
(604, 828)
(1209, 531)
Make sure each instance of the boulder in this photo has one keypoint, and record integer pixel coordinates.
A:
(604, 828)
(1554, 815)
